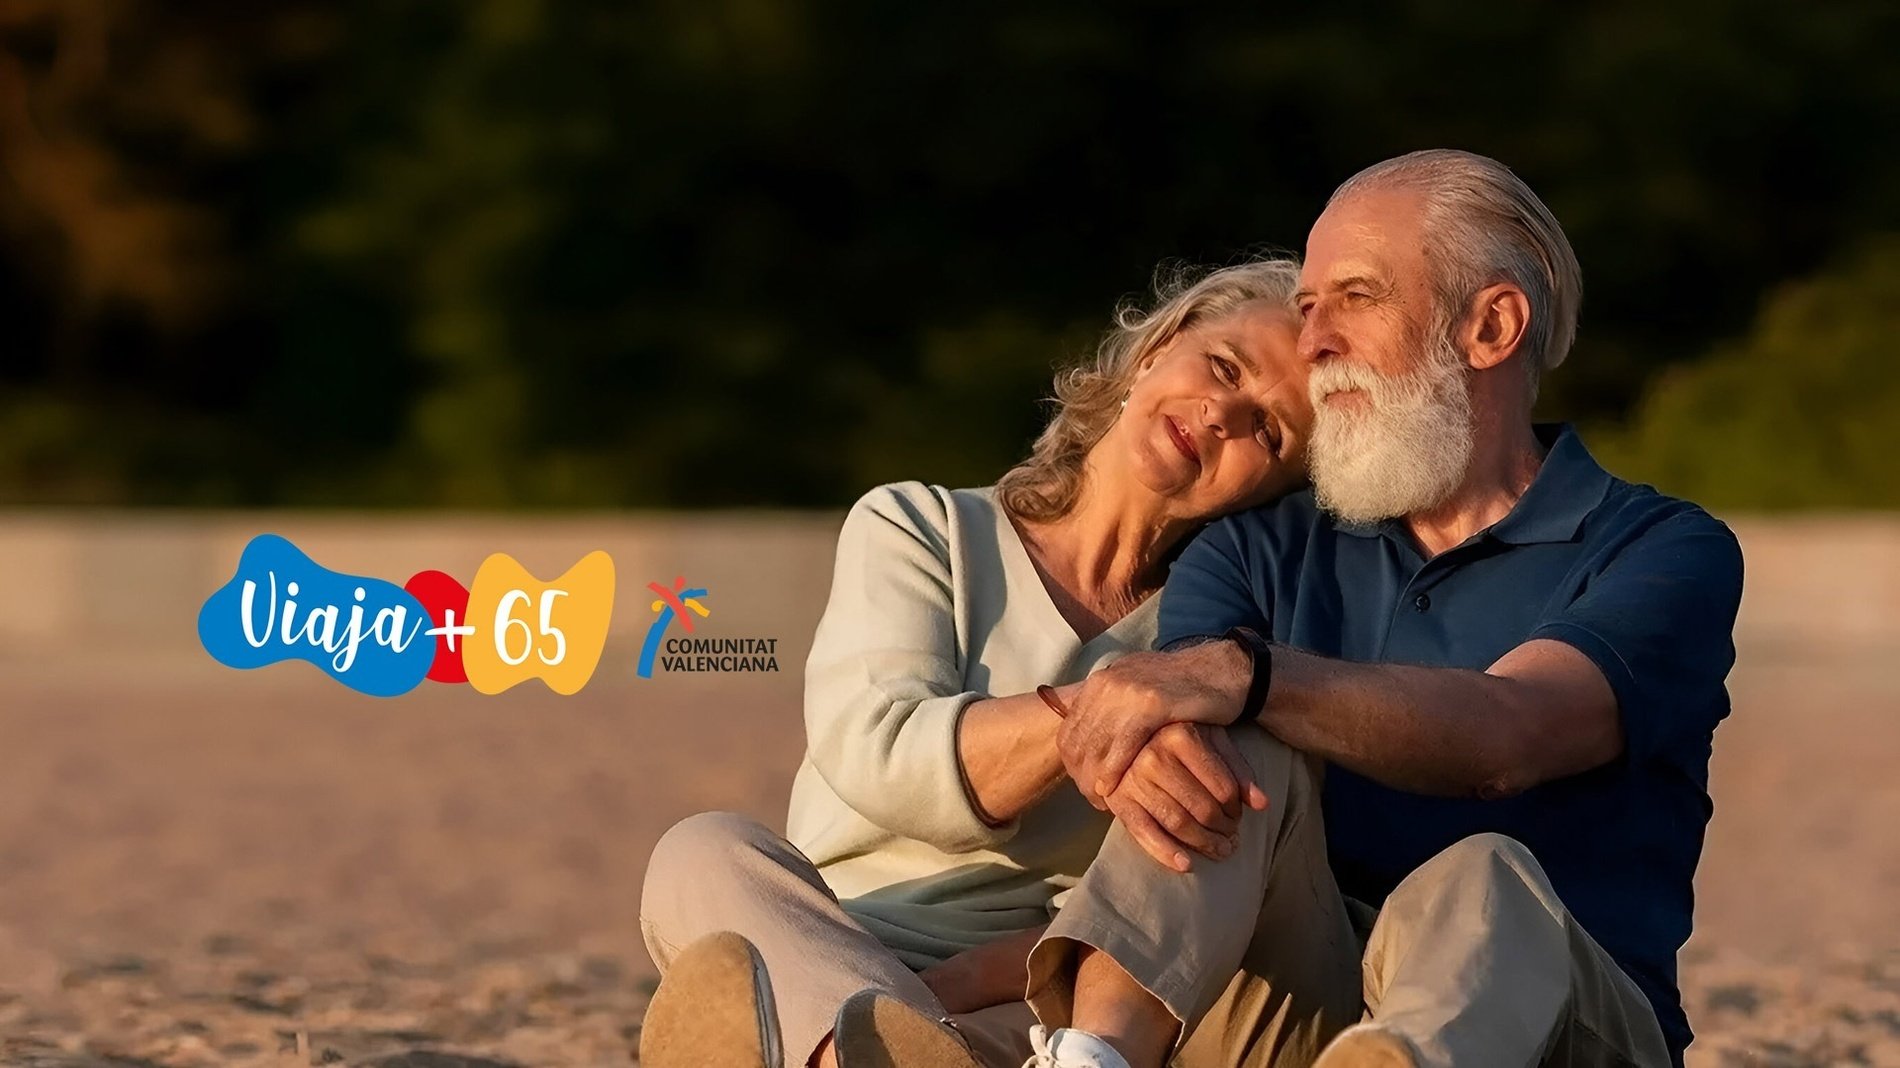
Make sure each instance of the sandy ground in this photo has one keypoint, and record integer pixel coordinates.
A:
(200, 866)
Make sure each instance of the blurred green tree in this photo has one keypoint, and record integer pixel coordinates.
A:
(1800, 414)
(752, 252)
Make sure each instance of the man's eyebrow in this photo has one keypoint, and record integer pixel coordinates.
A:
(1365, 281)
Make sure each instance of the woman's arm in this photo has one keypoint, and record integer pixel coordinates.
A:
(886, 707)
(1007, 746)
(892, 730)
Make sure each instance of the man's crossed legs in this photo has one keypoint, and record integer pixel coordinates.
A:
(1252, 961)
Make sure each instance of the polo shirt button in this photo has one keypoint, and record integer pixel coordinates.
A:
(1422, 602)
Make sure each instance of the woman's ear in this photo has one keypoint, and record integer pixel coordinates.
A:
(1147, 362)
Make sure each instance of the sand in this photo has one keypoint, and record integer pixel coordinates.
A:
(200, 866)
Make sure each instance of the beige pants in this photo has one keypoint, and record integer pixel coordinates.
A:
(723, 872)
(1473, 958)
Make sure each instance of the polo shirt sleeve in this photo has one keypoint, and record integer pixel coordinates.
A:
(1658, 620)
(884, 688)
(1210, 588)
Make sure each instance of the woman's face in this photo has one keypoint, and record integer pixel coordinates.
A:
(1218, 419)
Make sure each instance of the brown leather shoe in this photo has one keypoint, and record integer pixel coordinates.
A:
(1367, 1045)
(878, 1031)
(713, 1010)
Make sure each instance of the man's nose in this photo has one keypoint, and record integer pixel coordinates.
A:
(1319, 337)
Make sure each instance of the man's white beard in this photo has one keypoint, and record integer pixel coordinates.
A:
(1407, 451)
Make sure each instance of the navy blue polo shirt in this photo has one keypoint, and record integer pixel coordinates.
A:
(1645, 585)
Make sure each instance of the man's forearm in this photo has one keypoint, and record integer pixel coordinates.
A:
(1441, 731)
(1542, 711)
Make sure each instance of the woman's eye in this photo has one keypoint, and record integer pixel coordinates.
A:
(1224, 369)
(1268, 439)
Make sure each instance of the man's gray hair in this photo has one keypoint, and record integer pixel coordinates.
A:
(1482, 226)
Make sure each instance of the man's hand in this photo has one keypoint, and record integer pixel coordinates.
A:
(1121, 706)
(1185, 791)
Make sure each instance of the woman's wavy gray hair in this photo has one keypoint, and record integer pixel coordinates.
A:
(1089, 396)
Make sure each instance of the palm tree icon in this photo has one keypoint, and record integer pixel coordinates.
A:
(675, 603)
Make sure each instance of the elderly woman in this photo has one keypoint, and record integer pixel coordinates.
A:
(928, 841)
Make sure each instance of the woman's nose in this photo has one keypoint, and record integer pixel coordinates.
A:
(1225, 414)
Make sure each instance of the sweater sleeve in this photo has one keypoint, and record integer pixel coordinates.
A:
(884, 683)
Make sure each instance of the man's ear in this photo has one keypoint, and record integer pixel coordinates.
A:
(1495, 326)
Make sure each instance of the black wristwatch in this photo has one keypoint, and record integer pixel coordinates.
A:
(1260, 651)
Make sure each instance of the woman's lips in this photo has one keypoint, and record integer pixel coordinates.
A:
(1179, 435)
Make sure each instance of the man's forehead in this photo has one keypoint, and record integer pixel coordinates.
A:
(1361, 236)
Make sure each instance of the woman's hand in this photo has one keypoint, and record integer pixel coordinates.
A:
(1185, 791)
(1119, 708)
(994, 973)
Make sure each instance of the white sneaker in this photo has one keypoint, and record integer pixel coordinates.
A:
(1065, 1047)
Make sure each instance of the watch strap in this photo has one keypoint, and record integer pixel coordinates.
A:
(1260, 652)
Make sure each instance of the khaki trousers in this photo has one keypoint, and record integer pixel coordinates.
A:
(1472, 958)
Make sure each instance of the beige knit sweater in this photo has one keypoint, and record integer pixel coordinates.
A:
(935, 604)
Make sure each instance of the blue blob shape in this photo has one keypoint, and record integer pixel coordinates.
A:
(375, 644)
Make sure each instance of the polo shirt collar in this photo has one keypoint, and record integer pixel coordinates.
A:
(1566, 489)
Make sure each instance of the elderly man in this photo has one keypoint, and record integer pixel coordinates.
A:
(1510, 662)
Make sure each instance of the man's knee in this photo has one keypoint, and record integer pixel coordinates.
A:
(1482, 855)
(1277, 767)
(1476, 865)
(1485, 851)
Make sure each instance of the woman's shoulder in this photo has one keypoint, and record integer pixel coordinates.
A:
(923, 508)
(901, 517)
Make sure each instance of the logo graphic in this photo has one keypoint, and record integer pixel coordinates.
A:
(561, 646)
(697, 654)
(255, 620)
(367, 633)
(671, 604)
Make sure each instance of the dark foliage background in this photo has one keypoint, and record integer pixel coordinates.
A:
(750, 252)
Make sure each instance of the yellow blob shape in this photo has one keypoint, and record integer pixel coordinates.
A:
(527, 629)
